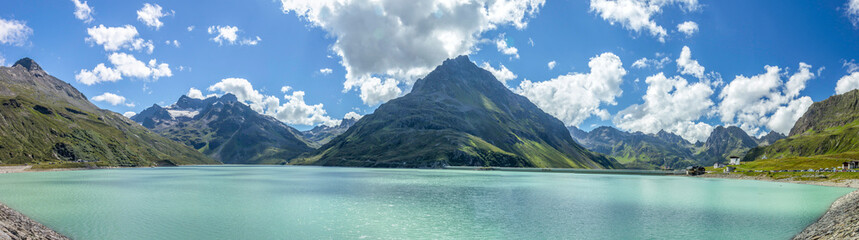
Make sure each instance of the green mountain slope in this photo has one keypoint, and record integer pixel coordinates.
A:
(458, 115)
(44, 120)
(226, 130)
(637, 150)
(828, 127)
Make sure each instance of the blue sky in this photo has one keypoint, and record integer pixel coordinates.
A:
(373, 58)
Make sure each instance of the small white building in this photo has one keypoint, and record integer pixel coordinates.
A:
(850, 165)
(718, 165)
(734, 160)
(730, 169)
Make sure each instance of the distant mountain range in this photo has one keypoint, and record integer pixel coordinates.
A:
(828, 127)
(46, 121)
(226, 130)
(637, 150)
(458, 115)
(323, 134)
(667, 150)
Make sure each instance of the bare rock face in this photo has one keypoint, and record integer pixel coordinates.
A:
(28, 64)
(14, 226)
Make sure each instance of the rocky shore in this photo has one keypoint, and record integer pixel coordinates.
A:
(841, 221)
(14, 226)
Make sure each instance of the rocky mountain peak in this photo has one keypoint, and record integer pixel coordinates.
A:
(458, 61)
(227, 98)
(458, 76)
(671, 137)
(28, 64)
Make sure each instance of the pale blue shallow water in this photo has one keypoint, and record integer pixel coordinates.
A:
(275, 202)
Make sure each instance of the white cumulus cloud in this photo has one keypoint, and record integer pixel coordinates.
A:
(670, 104)
(83, 11)
(129, 114)
(852, 10)
(688, 28)
(503, 45)
(151, 15)
(294, 110)
(124, 65)
(197, 94)
(637, 15)
(116, 38)
(655, 63)
(353, 115)
(98, 74)
(847, 83)
(112, 99)
(552, 65)
(752, 102)
(230, 35)
(325, 71)
(14, 32)
(689, 66)
(404, 40)
(574, 97)
(502, 73)
(375, 91)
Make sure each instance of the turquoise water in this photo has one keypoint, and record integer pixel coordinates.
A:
(274, 202)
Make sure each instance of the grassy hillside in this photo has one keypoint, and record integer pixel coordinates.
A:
(46, 122)
(828, 127)
(832, 140)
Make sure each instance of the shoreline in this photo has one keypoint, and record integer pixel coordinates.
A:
(850, 183)
(14, 225)
(841, 220)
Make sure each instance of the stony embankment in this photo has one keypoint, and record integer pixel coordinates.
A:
(14, 226)
(840, 222)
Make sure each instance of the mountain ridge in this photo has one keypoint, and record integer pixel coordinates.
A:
(465, 115)
(828, 127)
(46, 121)
(226, 130)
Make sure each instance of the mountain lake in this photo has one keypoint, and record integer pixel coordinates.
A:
(287, 202)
